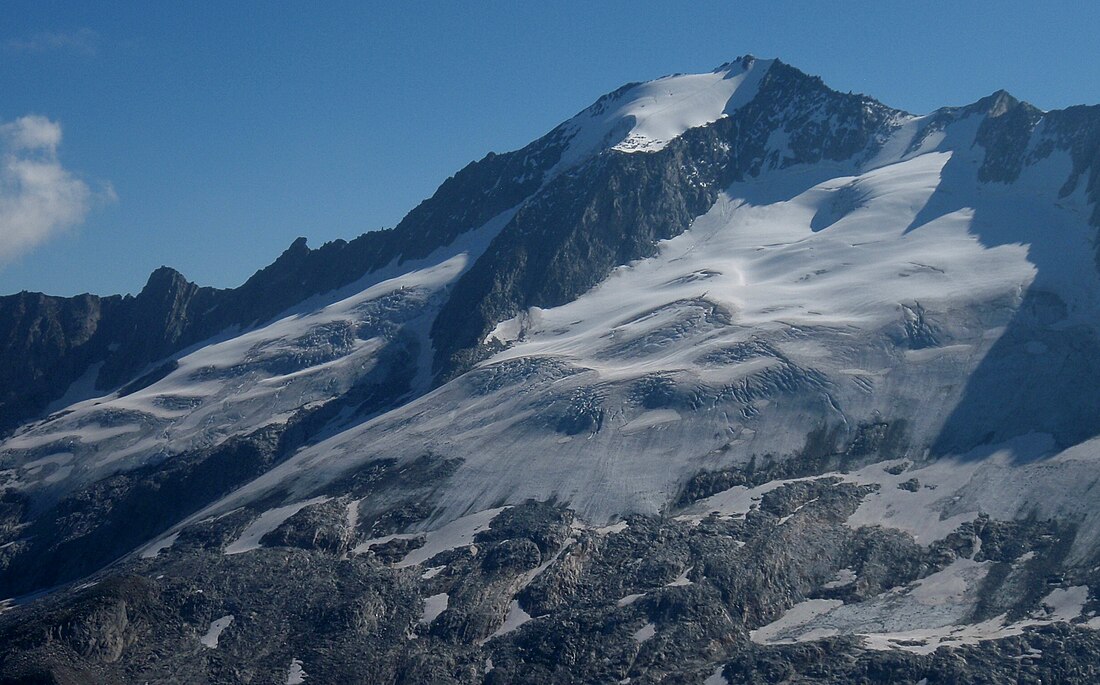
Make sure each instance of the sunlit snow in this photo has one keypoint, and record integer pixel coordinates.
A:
(213, 633)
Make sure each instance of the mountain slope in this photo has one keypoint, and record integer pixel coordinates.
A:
(724, 366)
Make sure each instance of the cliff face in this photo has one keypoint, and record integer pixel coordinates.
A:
(51, 343)
(46, 344)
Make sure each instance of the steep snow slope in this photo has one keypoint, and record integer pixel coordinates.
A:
(815, 297)
(645, 117)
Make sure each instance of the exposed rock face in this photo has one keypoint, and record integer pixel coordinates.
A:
(790, 386)
(536, 599)
(48, 343)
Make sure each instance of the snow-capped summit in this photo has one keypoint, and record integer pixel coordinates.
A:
(645, 117)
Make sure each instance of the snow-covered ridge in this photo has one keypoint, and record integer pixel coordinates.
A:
(245, 380)
(648, 116)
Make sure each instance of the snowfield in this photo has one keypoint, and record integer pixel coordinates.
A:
(647, 116)
(749, 323)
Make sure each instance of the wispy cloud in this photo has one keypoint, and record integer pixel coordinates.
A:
(84, 41)
(39, 198)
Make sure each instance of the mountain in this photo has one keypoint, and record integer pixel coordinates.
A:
(731, 377)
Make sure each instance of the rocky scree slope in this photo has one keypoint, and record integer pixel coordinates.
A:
(731, 377)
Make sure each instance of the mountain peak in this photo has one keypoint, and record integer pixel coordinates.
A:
(299, 245)
(646, 117)
(743, 62)
(163, 279)
(999, 103)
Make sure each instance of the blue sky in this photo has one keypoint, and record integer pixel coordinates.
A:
(207, 136)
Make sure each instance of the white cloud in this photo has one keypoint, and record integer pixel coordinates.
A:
(39, 198)
(32, 133)
(84, 40)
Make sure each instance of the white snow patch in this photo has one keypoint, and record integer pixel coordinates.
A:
(681, 579)
(938, 508)
(59, 475)
(457, 533)
(950, 585)
(795, 617)
(716, 678)
(515, 618)
(296, 675)
(210, 639)
(267, 522)
(734, 502)
(928, 640)
(931, 513)
(919, 619)
(352, 515)
(645, 632)
(1065, 604)
(159, 546)
(434, 606)
(787, 517)
(81, 389)
(86, 433)
(506, 331)
(60, 459)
